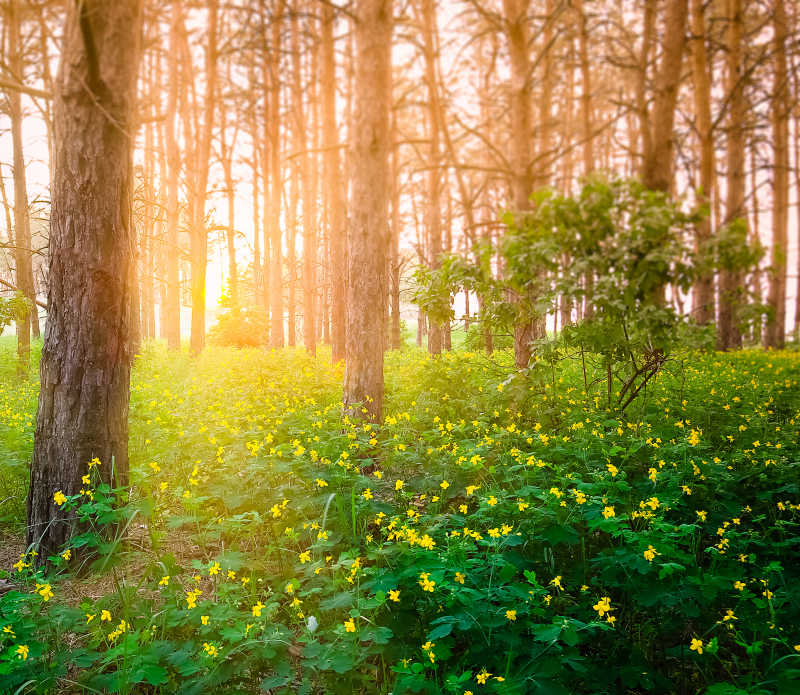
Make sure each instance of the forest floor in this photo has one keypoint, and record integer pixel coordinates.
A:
(495, 534)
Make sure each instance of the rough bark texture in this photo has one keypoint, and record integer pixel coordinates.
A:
(368, 233)
(729, 333)
(85, 367)
(703, 292)
(775, 334)
(657, 166)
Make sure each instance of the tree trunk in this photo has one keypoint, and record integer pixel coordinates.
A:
(427, 18)
(516, 26)
(276, 250)
(333, 185)
(198, 231)
(309, 203)
(22, 229)
(85, 367)
(657, 165)
(729, 333)
(703, 291)
(173, 293)
(781, 106)
(368, 232)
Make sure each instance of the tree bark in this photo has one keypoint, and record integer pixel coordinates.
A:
(333, 185)
(516, 27)
(703, 291)
(427, 18)
(85, 367)
(775, 336)
(22, 229)
(173, 293)
(729, 333)
(657, 165)
(276, 251)
(198, 232)
(368, 231)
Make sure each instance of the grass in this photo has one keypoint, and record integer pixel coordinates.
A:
(493, 535)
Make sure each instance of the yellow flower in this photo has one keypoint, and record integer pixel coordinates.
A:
(44, 591)
(557, 582)
(22, 651)
(483, 676)
(425, 583)
(350, 625)
(491, 501)
(210, 649)
(204, 619)
(394, 595)
(511, 615)
(67, 554)
(697, 645)
(650, 553)
(90, 617)
(214, 569)
(398, 484)
(257, 609)
(164, 580)
(321, 483)
(739, 586)
(729, 615)
(105, 615)
(460, 577)
(59, 498)
(701, 514)
(305, 557)
(612, 469)
(444, 485)
(603, 606)
(608, 512)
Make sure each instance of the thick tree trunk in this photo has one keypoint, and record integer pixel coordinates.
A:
(586, 91)
(729, 333)
(781, 107)
(369, 232)
(657, 165)
(85, 367)
(703, 291)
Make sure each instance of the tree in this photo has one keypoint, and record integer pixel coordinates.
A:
(730, 288)
(368, 233)
(22, 230)
(333, 184)
(85, 367)
(703, 293)
(657, 165)
(173, 300)
(775, 334)
(198, 233)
